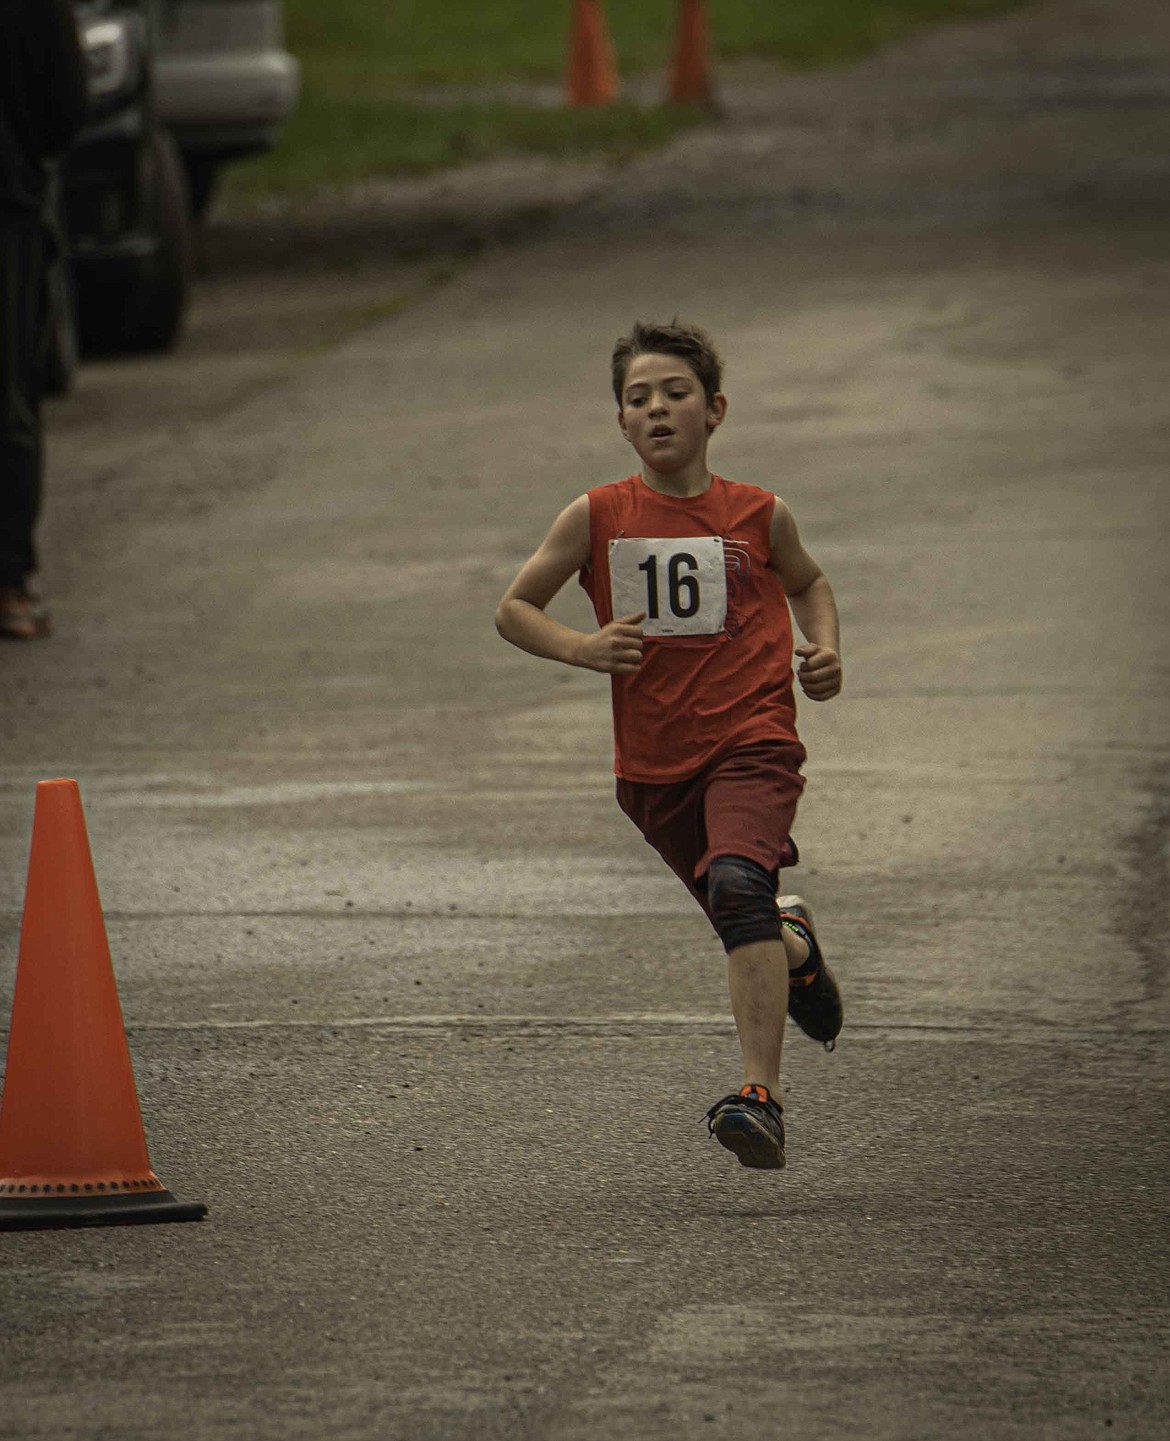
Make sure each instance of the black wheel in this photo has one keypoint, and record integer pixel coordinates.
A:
(157, 303)
(146, 310)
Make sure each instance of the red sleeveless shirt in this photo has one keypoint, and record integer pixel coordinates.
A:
(716, 670)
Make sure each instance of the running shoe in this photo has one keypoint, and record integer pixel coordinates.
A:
(814, 1002)
(751, 1125)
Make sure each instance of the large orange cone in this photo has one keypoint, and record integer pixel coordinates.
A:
(690, 78)
(591, 76)
(72, 1147)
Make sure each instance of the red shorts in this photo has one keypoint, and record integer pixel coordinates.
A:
(741, 805)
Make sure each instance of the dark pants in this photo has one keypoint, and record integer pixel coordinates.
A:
(23, 251)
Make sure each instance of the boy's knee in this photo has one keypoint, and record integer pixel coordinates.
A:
(741, 896)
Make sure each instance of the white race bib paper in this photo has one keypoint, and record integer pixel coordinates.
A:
(680, 582)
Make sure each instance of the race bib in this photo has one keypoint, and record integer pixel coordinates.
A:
(680, 582)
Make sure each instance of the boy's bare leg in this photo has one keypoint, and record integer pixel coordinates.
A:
(758, 979)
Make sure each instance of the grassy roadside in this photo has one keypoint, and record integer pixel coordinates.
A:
(361, 60)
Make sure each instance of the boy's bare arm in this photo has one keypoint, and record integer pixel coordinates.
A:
(811, 598)
(520, 616)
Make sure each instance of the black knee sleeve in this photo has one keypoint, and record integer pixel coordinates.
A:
(741, 896)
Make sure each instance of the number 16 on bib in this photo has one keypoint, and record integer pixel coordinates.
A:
(679, 581)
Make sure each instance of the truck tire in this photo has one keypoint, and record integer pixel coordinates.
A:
(156, 304)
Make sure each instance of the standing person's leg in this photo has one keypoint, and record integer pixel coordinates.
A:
(21, 301)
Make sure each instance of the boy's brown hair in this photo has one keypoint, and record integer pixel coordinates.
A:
(688, 342)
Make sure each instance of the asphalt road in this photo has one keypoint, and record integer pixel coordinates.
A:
(411, 1006)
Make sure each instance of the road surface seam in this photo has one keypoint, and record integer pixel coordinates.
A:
(634, 1023)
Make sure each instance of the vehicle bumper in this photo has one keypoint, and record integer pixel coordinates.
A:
(226, 105)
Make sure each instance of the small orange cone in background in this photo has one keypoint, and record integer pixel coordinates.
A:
(72, 1147)
(690, 77)
(591, 75)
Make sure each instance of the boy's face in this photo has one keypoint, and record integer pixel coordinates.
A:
(665, 414)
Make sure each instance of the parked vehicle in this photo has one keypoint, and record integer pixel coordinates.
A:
(178, 88)
(224, 82)
(124, 204)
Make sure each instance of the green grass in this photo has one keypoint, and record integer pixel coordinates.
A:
(360, 58)
(333, 141)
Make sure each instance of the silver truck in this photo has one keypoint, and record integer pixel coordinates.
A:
(225, 85)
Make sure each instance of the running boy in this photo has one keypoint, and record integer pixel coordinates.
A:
(691, 577)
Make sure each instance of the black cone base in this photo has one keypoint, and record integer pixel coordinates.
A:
(55, 1212)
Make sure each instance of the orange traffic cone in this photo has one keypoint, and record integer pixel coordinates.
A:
(690, 79)
(591, 77)
(72, 1148)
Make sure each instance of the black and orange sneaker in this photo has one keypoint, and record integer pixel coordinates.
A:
(751, 1125)
(814, 1002)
